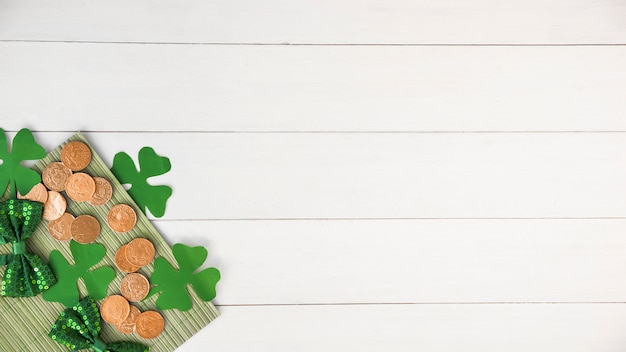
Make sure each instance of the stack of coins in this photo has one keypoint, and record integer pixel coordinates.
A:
(127, 318)
(132, 256)
(81, 187)
(134, 287)
(65, 176)
(129, 258)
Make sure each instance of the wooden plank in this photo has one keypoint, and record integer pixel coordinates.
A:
(426, 261)
(466, 175)
(348, 21)
(65, 87)
(515, 328)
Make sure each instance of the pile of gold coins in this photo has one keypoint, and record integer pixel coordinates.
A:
(80, 187)
(116, 309)
(66, 176)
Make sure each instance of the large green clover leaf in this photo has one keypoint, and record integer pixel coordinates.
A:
(150, 164)
(12, 172)
(85, 256)
(172, 283)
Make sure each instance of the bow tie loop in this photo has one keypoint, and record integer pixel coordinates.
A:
(27, 274)
(79, 328)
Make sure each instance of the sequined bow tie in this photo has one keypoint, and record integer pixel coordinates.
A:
(78, 328)
(26, 274)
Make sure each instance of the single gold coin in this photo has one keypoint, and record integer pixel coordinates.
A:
(134, 287)
(139, 252)
(149, 324)
(76, 155)
(38, 193)
(55, 206)
(80, 187)
(128, 325)
(60, 228)
(55, 175)
(85, 229)
(122, 263)
(115, 309)
(103, 193)
(122, 218)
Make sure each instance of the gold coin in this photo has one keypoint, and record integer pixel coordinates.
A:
(80, 187)
(55, 175)
(76, 155)
(115, 309)
(60, 228)
(134, 287)
(38, 193)
(128, 325)
(55, 206)
(122, 218)
(122, 263)
(149, 324)
(103, 192)
(85, 229)
(139, 252)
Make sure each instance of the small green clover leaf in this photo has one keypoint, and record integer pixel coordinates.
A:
(85, 256)
(172, 283)
(150, 164)
(12, 173)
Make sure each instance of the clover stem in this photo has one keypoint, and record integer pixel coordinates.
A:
(12, 189)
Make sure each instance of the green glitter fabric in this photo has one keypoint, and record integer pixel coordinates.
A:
(26, 274)
(79, 327)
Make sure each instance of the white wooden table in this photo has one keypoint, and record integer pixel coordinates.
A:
(404, 175)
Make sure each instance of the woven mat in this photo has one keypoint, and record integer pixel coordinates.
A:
(25, 322)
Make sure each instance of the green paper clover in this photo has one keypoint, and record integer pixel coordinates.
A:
(12, 173)
(150, 164)
(172, 283)
(85, 256)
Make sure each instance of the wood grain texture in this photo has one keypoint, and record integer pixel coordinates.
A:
(347, 21)
(489, 328)
(423, 261)
(302, 134)
(68, 87)
(467, 175)
(354, 176)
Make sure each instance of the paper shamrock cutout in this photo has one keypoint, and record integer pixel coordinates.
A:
(150, 164)
(85, 256)
(12, 173)
(172, 283)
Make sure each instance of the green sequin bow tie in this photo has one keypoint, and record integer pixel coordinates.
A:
(27, 274)
(78, 328)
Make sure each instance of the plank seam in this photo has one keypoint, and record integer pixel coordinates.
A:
(308, 44)
(336, 131)
(416, 303)
(399, 219)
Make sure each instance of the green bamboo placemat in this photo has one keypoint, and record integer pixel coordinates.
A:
(25, 322)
